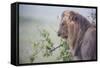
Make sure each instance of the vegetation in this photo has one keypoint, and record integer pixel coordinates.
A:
(65, 55)
(93, 16)
(45, 45)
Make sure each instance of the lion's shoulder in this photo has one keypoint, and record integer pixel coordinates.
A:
(88, 47)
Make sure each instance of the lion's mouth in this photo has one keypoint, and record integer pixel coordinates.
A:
(65, 37)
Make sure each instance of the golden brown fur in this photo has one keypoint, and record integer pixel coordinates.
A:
(75, 28)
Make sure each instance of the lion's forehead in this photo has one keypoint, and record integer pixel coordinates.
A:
(65, 15)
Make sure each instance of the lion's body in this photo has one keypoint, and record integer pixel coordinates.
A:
(80, 35)
(86, 50)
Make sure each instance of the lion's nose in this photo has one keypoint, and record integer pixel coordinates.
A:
(59, 34)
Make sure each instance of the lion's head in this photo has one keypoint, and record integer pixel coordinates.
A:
(72, 26)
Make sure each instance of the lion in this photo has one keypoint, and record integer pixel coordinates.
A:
(80, 35)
